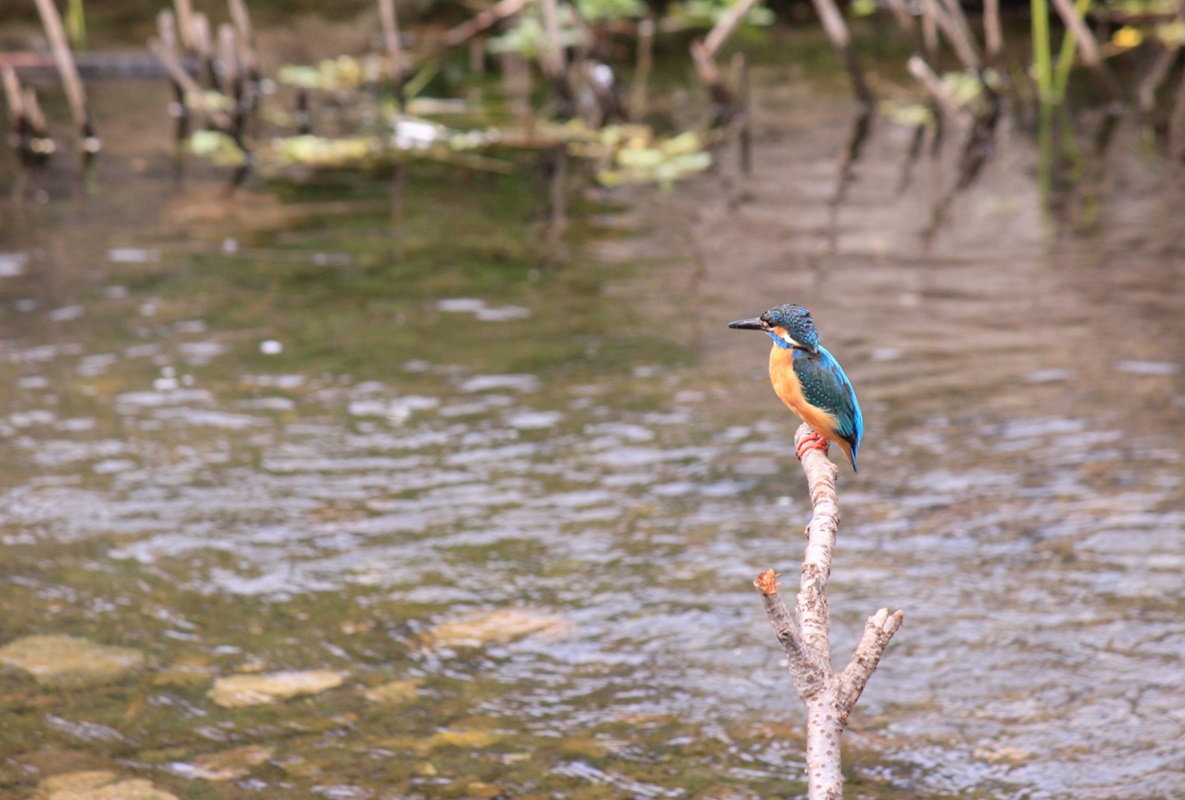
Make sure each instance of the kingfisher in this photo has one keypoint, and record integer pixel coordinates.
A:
(808, 379)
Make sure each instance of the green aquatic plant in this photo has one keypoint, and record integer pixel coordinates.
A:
(76, 24)
(706, 13)
(529, 37)
(341, 74)
(643, 158)
(603, 10)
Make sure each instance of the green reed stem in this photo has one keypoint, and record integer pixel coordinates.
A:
(1042, 51)
(76, 24)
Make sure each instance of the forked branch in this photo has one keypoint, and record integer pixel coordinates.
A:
(828, 696)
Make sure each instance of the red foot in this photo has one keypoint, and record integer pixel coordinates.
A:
(812, 441)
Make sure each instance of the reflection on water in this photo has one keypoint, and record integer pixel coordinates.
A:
(302, 443)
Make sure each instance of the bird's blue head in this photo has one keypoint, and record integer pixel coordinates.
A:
(788, 325)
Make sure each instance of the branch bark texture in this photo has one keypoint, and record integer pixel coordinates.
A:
(828, 696)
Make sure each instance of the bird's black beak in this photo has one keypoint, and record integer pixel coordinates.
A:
(754, 324)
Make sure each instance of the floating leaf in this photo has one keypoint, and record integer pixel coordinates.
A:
(216, 146)
(909, 115)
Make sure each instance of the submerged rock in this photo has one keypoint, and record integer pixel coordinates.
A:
(500, 626)
(463, 738)
(99, 785)
(189, 671)
(254, 690)
(70, 661)
(394, 692)
(227, 765)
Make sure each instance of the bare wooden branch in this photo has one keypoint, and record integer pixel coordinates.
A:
(828, 697)
(878, 630)
(814, 614)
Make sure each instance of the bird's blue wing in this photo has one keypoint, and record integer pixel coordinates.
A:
(824, 385)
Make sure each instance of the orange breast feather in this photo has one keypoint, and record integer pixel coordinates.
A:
(789, 391)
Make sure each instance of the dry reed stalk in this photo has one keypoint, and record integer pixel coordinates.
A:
(904, 18)
(740, 75)
(993, 36)
(228, 60)
(551, 55)
(725, 26)
(638, 95)
(12, 93)
(33, 113)
(954, 24)
(245, 37)
(930, 29)
(185, 24)
(703, 56)
(841, 40)
(193, 93)
(203, 47)
(1176, 138)
(67, 69)
(390, 24)
(472, 27)
(1150, 83)
(925, 74)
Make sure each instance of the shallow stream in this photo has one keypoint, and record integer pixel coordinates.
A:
(516, 507)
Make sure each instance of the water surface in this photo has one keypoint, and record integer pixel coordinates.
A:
(284, 432)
